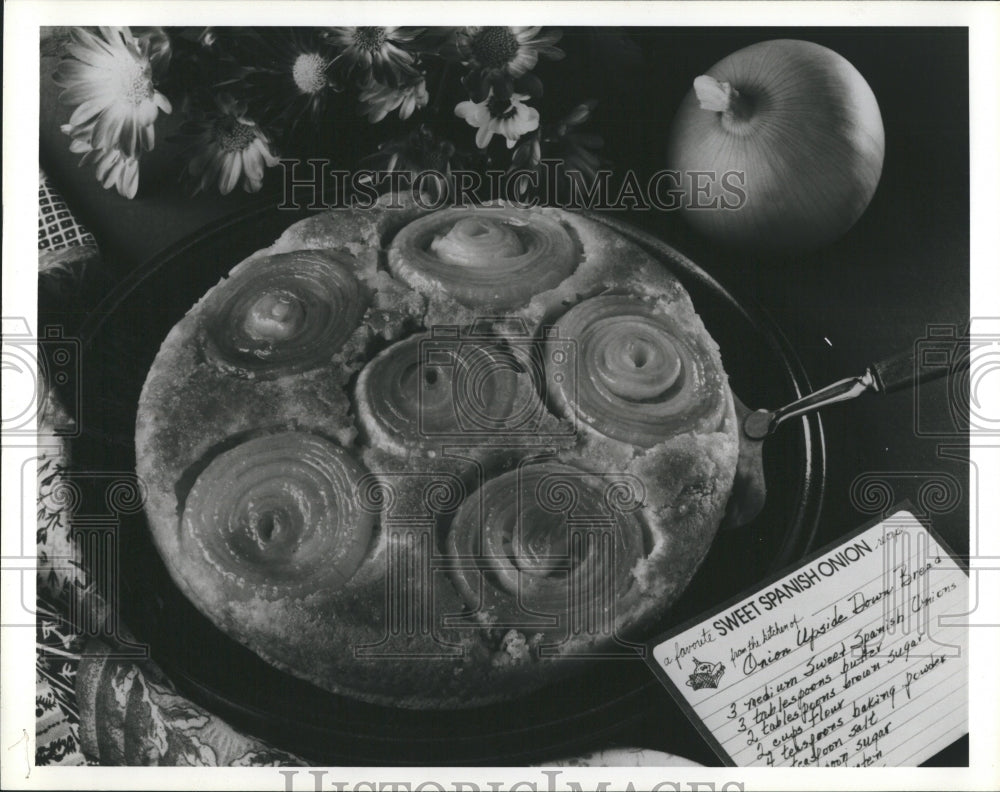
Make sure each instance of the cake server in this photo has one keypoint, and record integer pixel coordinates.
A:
(749, 488)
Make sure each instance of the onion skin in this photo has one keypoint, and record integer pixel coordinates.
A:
(805, 129)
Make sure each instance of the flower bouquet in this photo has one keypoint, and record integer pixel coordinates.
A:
(444, 101)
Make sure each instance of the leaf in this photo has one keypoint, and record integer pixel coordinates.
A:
(529, 84)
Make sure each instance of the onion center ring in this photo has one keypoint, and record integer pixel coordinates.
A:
(637, 375)
(279, 515)
(548, 547)
(484, 257)
(283, 314)
(423, 389)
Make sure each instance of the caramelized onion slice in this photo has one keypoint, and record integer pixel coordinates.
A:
(283, 314)
(279, 515)
(424, 388)
(484, 257)
(633, 373)
(549, 548)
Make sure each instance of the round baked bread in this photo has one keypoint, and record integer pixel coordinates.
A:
(427, 459)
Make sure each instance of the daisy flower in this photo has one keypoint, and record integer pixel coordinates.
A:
(378, 52)
(497, 116)
(380, 100)
(289, 75)
(114, 168)
(108, 76)
(229, 149)
(510, 53)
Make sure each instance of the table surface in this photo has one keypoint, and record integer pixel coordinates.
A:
(903, 268)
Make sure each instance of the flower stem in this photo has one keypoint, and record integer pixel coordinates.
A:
(439, 91)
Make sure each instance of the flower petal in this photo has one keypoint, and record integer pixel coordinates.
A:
(108, 175)
(82, 92)
(107, 131)
(85, 41)
(105, 162)
(70, 71)
(265, 152)
(162, 102)
(147, 137)
(146, 112)
(230, 175)
(483, 136)
(85, 112)
(253, 167)
(523, 62)
(129, 133)
(78, 146)
(128, 182)
(470, 111)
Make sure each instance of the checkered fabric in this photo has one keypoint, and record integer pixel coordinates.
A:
(57, 228)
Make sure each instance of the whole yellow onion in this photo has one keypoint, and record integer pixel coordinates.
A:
(790, 139)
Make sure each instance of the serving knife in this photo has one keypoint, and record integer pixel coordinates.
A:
(886, 376)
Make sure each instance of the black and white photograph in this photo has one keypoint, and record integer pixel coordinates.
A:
(606, 402)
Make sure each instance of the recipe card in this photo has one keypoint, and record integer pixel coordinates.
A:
(857, 657)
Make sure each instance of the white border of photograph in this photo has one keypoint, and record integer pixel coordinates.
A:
(20, 147)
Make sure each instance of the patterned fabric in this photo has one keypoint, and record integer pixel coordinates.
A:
(131, 715)
(57, 737)
(57, 645)
(64, 250)
(57, 228)
(91, 705)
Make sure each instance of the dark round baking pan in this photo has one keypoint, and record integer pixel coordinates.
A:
(586, 710)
